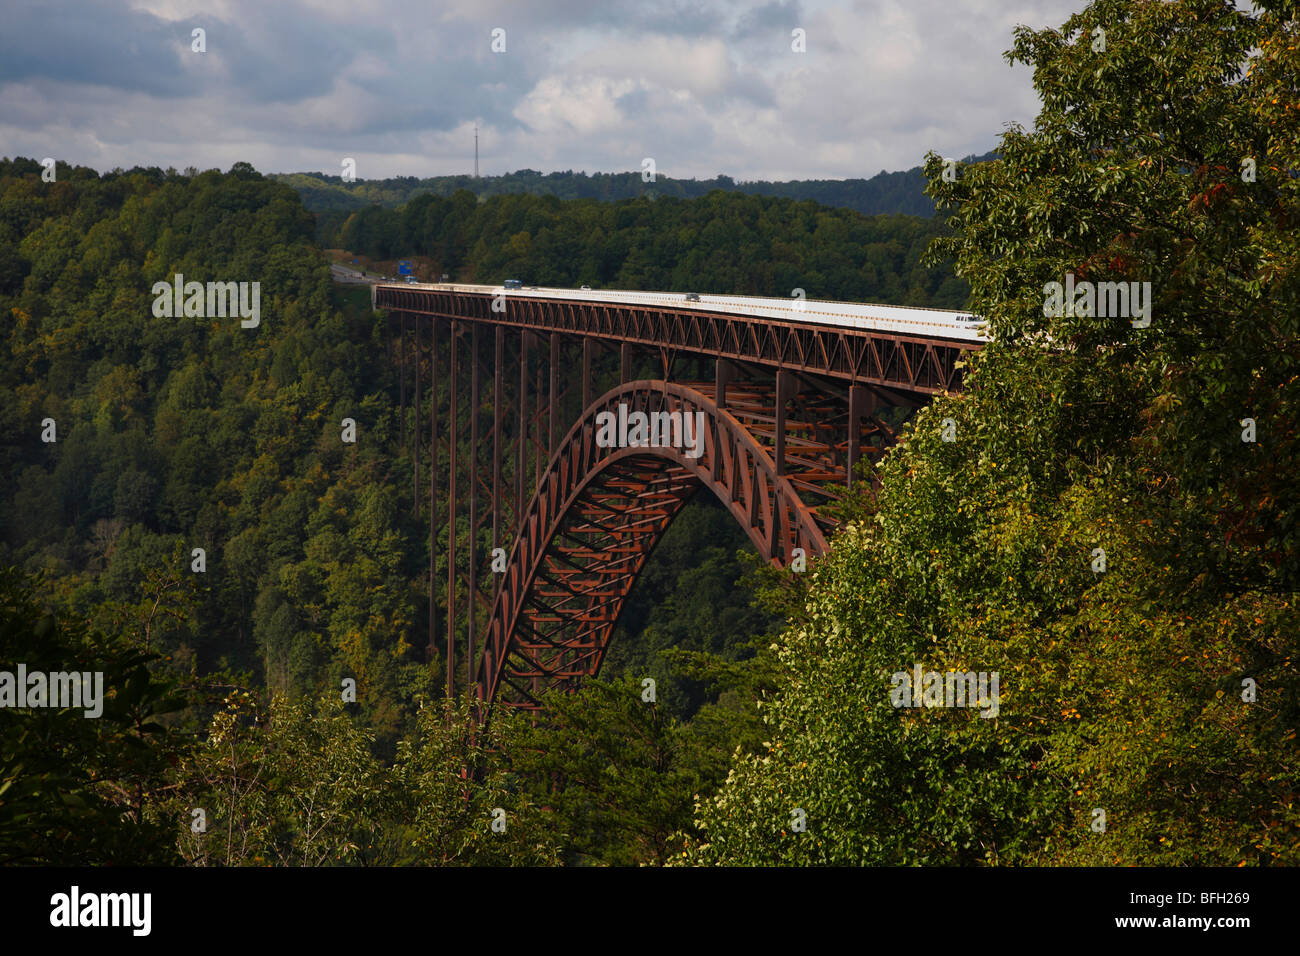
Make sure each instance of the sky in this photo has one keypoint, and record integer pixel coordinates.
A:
(701, 87)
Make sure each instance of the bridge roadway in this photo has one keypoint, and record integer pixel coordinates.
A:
(899, 319)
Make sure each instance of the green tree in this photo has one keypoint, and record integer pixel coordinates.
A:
(296, 786)
(1160, 690)
(611, 767)
(77, 789)
(462, 804)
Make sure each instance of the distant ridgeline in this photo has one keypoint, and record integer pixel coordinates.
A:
(884, 193)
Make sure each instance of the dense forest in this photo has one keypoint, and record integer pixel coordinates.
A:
(1106, 517)
(183, 433)
(720, 243)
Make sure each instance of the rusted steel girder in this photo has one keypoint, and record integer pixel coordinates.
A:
(909, 363)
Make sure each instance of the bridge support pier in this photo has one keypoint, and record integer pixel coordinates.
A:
(553, 404)
(433, 485)
(521, 469)
(415, 428)
(471, 598)
(724, 372)
(453, 431)
(862, 404)
(402, 393)
(498, 418)
(588, 348)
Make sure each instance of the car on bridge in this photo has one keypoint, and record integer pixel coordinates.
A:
(692, 297)
(513, 284)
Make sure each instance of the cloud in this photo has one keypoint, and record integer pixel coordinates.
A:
(702, 87)
(91, 44)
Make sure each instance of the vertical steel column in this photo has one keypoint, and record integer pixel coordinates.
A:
(401, 441)
(453, 428)
(539, 462)
(433, 481)
(588, 346)
(723, 373)
(554, 411)
(471, 599)
(860, 406)
(784, 387)
(498, 397)
(415, 428)
(624, 362)
(521, 452)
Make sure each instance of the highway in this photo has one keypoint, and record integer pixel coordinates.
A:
(900, 320)
(347, 274)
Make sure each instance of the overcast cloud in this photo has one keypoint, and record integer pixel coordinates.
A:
(702, 86)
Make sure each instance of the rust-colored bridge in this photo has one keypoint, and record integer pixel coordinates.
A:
(546, 499)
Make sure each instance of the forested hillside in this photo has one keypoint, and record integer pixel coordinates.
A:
(182, 433)
(1105, 519)
(720, 243)
(177, 433)
(138, 439)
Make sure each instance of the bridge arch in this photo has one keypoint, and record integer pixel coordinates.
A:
(598, 514)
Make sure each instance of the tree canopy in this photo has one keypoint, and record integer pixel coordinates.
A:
(1148, 699)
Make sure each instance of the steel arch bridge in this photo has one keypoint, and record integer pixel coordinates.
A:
(544, 527)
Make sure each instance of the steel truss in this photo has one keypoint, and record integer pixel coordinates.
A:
(516, 479)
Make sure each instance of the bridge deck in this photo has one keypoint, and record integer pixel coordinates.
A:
(897, 319)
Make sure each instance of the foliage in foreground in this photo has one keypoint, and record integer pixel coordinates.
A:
(78, 790)
(1125, 692)
(298, 785)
